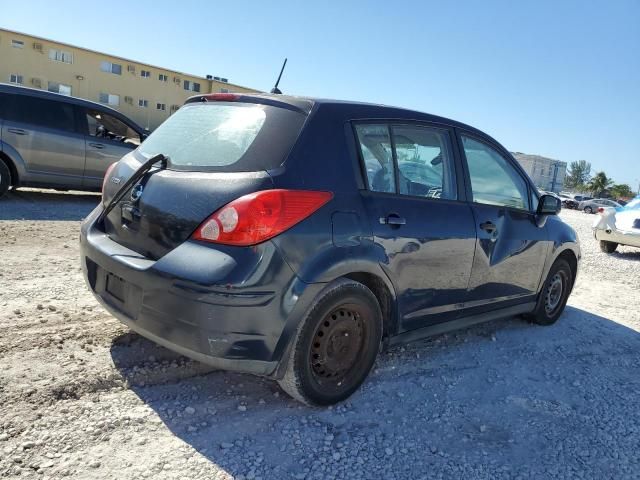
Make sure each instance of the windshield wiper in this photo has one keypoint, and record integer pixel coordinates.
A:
(137, 175)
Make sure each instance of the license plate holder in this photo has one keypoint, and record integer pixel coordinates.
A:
(116, 287)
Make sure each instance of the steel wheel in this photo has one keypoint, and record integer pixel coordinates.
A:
(553, 293)
(337, 345)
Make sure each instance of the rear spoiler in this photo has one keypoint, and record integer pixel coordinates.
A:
(300, 105)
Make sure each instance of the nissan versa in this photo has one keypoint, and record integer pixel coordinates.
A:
(293, 238)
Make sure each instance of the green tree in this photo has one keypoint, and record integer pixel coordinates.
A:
(578, 174)
(621, 190)
(599, 184)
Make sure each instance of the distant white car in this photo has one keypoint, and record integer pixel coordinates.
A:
(618, 227)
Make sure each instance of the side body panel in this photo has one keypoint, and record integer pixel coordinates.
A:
(508, 263)
(100, 154)
(51, 156)
(428, 259)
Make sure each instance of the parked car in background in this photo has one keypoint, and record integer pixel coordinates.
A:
(56, 141)
(237, 235)
(621, 226)
(592, 206)
(567, 201)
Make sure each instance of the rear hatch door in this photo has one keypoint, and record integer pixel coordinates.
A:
(218, 151)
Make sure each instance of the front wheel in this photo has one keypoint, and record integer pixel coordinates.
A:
(588, 210)
(335, 346)
(554, 295)
(608, 247)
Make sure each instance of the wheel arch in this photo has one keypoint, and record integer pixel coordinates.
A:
(370, 276)
(14, 161)
(15, 178)
(571, 255)
(385, 297)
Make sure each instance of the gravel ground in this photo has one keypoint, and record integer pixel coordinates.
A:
(83, 397)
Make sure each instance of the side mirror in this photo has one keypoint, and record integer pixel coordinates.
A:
(549, 205)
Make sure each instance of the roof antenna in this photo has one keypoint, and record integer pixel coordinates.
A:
(275, 89)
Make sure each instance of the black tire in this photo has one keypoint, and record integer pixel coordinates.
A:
(551, 301)
(5, 178)
(324, 367)
(608, 247)
(588, 210)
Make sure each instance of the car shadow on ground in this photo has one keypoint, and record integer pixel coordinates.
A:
(31, 204)
(492, 394)
(633, 255)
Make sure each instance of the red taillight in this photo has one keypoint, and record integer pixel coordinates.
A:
(222, 97)
(259, 216)
(600, 210)
(106, 175)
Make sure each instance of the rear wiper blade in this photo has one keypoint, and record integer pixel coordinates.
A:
(137, 175)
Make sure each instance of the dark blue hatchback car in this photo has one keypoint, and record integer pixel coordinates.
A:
(293, 238)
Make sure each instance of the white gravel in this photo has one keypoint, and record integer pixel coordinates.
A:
(81, 397)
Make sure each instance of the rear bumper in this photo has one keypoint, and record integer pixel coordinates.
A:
(617, 236)
(232, 308)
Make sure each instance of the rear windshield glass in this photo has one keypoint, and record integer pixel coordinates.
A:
(225, 136)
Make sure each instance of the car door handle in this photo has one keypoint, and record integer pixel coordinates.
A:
(99, 146)
(393, 219)
(488, 227)
(17, 131)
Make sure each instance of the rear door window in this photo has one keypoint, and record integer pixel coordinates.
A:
(425, 162)
(105, 126)
(412, 160)
(375, 145)
(4, 99)
(41, 112)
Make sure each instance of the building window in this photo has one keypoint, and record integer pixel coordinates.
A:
(59, 88)
(163, 78)
(17, 43)
(109, 67)
(143, 103)
(15, 78)
(60, 56)
(193, 86)
(161, 106)
(109, 99)
(145, 73)
(224, 90)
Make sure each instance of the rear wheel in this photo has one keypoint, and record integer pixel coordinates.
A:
(588, 210)
(554, 295)
(608, 247)
(5, 178)
(335, 346)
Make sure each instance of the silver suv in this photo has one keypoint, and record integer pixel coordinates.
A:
(54, 141)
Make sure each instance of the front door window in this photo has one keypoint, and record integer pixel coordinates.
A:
(103, 125)
(494, 181)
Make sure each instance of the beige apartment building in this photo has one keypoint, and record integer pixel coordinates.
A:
(145, 93)
(547, 174)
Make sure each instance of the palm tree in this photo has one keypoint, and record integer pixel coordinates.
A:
(599, 184)
(621, 190)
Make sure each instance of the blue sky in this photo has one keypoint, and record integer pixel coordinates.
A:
(556, 78)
